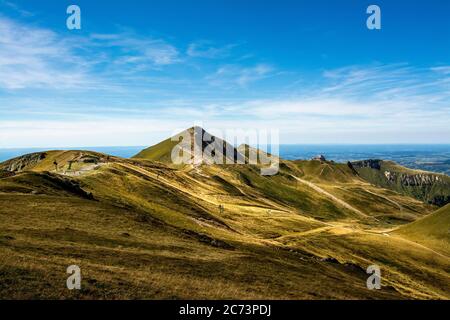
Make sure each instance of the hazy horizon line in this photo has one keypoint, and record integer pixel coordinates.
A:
(281, 144)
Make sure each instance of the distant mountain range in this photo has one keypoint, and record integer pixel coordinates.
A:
(145, 228)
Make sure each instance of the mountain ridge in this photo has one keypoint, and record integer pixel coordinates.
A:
(169, 232)
(426, 186)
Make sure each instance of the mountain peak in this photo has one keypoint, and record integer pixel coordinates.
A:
(212, 148)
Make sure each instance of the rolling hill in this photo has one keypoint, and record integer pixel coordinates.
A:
(432, 230)
(143, 228)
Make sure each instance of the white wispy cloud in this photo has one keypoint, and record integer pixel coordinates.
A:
(442, 69)
(143, 52)
(16, 8)
(387, 81)
(230, 76)
(206, 49)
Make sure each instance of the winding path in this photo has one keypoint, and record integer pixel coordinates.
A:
(329, 195)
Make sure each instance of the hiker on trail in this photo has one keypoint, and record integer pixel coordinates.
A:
(56, 165)
(221, 209)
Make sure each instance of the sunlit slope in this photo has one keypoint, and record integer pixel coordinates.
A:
(415, 270)
(159, 152)
(325, 171)
(125, 254)
(344, 183)
(144, 235)
(432, 230)
(154, 232)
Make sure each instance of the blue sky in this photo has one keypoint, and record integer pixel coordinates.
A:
(139, 70)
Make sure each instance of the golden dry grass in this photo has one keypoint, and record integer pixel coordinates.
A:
(154, 232)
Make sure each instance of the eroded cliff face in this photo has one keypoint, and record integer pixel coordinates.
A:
(21, 163)
(426, 186)
(413, 180)
(407, 179)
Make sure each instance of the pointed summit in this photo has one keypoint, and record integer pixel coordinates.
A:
(197, 144)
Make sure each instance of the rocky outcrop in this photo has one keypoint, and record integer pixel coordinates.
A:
(21, 163)
(440, 200)
(425, 183)
(6, 174)
(370, 163)
(406, 179)
(320, 157)
(420, 179)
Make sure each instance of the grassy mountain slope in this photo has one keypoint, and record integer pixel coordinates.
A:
(142, 229)
(341, 181)
(432, 230)
(425, 186)
(159, 152)
(125, 255)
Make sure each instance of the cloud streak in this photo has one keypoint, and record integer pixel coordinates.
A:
(16, 8)
(138, 51)
(205, 49)
(230, 76)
